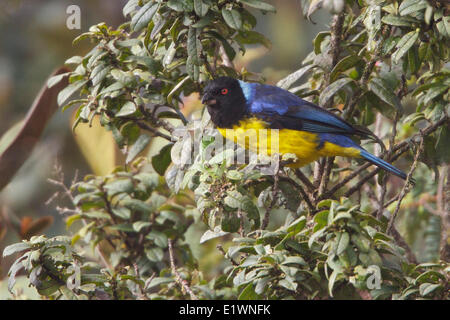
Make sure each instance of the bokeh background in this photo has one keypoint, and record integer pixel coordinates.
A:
(34, 41)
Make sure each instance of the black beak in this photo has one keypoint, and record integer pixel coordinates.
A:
(208, 100)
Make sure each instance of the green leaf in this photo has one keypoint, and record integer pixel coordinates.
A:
(318, 41)
(55, 79)
(129, 7)
(181, 5)
(208, 235)
(411, 6)
(316, 235)
(427, 288)
(123, 213)
(253, 37)
(99, 73)
(125, 227)
(394, 20)
(127, 109)
(249, 293)
(404, 44)
(139, 225)
(434, 92)
(201, 8)
(343, 65)
(234, 175)
(136, 205)
(288, 283)
(297, 225)
(154, 254)
(194, 49)
(258, 5)
(68, 91)
(288, 81)
(203, 22)
(232, 18)
(382, 91)
(362, 243)
(332, 89)
(344, 240)
(230, 223)
(413, 60)
(158, 238)
(170, 54)
(430, 276)
(137, 147)
(113, 87)
(162, 160)
(143, 16)
(96, 215)
(159, 281)
(16, 247)
(297, 260)
(441, 146)
(231, 53)
(332, 281)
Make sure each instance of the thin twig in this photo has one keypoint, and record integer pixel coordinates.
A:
(386, 204)
(405, 189)
(60, 183)
(183, 283)
(302, 192)
(141, 288)
(326, 175)
(399, 149)
(305, 181)
(154, 131)
(344, 182)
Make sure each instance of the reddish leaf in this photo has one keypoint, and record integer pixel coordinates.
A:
(18, 151)
(30, 227)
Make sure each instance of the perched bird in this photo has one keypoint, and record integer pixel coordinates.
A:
(305, 129)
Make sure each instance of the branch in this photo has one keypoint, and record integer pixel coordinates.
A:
(183, 283)
(302, 192)
(405, 189)
(442, 201)
(344, 182)
(336, 37)
(305, 181)
(399, 148)
(154, 131)
(326, 175)
(335, 51)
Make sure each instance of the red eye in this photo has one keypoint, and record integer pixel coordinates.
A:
(224, 91)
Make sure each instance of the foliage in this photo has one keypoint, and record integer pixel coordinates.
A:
(286, 235)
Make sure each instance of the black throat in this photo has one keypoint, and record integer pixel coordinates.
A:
(226, 117)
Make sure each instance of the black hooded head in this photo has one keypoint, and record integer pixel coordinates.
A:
(225, 101)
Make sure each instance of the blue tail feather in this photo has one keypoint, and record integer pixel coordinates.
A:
(382, 164)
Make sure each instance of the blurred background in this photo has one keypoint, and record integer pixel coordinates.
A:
(35, 41)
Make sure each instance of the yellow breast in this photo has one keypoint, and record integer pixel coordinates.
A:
(254, 135)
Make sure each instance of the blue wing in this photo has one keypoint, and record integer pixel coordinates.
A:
(283, 109)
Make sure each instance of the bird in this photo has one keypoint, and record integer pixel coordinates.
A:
(304, 128)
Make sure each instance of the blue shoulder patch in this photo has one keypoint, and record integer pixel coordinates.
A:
(247, 90)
